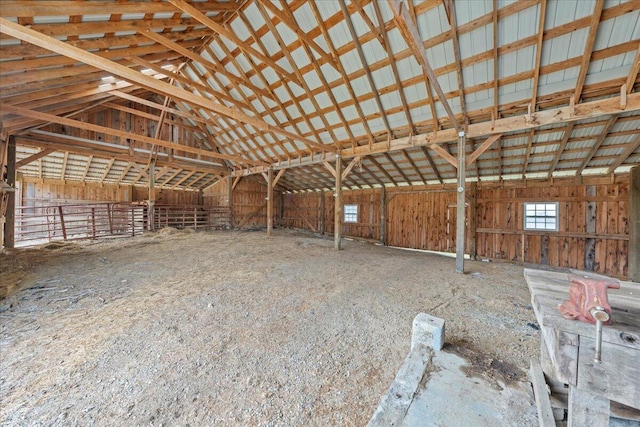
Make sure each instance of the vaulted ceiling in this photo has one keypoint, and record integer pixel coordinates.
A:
(541, 89)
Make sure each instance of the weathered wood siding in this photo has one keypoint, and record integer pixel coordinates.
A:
(593, 232)
(51, 192)
(249, 201)
(144, 122)
(422, 220)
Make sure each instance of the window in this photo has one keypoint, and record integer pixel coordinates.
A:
(350, 213)
(541, 216)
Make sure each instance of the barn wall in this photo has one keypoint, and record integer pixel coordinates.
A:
(38, 192)
(249, 201)
(144, 122)
(593, 232)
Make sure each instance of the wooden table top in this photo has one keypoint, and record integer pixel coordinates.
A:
(549, 289)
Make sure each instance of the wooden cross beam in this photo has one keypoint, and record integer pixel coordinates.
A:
(34, 157)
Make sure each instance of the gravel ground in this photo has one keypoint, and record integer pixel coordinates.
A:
(234, 328)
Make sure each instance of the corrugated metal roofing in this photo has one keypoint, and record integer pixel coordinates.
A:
(347, 103)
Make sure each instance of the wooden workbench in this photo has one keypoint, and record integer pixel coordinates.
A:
(568, 348)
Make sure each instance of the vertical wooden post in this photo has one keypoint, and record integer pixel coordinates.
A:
(230, 199)
(590, 244)
(93, 222)
(110, 217)
(195, 218)
(321, 214)
(62, 224)
(337, 223)
(269, 202)
(472, 220)
(10, 218)
(152, 192)
(280, 219)
(383, 215)
(634, 224)
(460, 211)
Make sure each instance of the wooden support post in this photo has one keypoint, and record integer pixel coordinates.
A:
(230, 199)
(634, 224)
(110, 217)
(280, 221)
(383, 215)
(62, 224)
(321, 214)
(337, 223)
(10, 219)
(269, 202)
(472, 220)
(590, 244)
(152, 193)
(460, 211)
(195, 219)
(93, 223)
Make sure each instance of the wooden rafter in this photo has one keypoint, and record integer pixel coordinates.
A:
(34, 157)
(450, 10)
(596, 146)
(536, 65)
(123, 134)
(588, 50)
(633, 71)
(31, 36)
(218, 28)
(411, 35)
(345, 78)
(632, 146)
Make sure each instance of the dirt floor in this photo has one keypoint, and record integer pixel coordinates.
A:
(234, 328)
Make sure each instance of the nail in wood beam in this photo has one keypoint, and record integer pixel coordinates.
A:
(337, 223)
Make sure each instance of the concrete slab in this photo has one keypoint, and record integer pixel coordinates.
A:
(448, 397)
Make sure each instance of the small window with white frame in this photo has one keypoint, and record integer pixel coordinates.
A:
(350, 213)
(541, 216)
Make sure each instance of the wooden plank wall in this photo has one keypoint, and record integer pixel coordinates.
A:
(167, 196)
(422, 220)
(593, 229)
(593, 232)
(53, 192)
(249, 202)
(217, 194)
(142, 123)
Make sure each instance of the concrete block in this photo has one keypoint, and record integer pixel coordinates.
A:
(427, 330)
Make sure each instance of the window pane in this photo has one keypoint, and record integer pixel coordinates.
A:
(541, 216)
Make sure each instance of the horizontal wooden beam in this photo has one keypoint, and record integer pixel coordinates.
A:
(25, 34)
(98, 148)
(123, 134)
(587, 110)
(13, 8)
